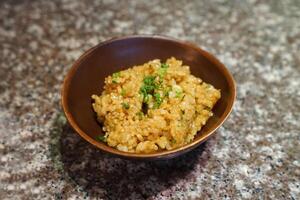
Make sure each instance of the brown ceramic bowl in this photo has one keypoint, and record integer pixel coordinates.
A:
(86, 77)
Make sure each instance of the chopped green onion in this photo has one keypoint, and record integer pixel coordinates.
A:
(182, 97)
(162, 72)
(125, 105)
(149, 80)
(167, 91)
(123, 92)
(173, 141)
(116, 75)
(164, 65)
(152, 83)
(148, 87)
(140, 115)
(178, 94)
(101, 138)
(158, 100)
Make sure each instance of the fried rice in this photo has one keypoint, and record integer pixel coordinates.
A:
(155, 106)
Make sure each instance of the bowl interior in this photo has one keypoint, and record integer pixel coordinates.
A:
(87, 77)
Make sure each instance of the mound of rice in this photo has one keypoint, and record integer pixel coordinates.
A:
(154, 106)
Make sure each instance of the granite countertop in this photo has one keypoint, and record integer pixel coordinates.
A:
(254, 155)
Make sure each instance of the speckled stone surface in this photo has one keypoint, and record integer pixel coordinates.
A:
(254, 155)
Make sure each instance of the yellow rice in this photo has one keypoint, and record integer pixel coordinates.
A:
(186, 105)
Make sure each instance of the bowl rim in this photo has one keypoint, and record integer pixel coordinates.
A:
(156, 155)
